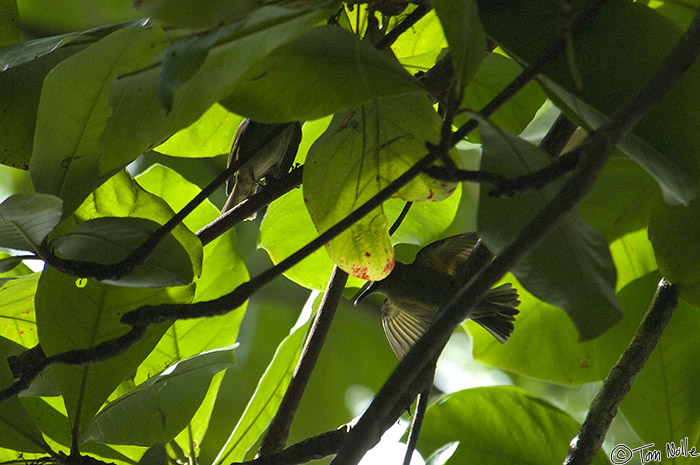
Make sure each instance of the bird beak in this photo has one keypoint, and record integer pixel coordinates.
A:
(366, 290)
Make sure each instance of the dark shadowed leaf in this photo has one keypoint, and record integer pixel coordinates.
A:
(572, 268)
(26, 219)
(156, 410)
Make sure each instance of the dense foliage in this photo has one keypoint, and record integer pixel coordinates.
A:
(135, 324)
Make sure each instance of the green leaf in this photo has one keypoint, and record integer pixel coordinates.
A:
(673, 231)
(74, 110)
(499, 424)
(584, 258)
(212, 134)
(341, 70)
(30, 50)
(17, 321)
(203, 13)
(287, 224)
(269, 392)
(17, 430)
(20, 86)
(9, 23)
(462, 27)
(108, 240)
(222, 271)
(419, 50)
(140, 122)
(494, 74)
(79, 314)
(26, 219)
(122, 196)
(351, 162)
(615, 53)
(557, 356)
(161, 407)
(621, 199)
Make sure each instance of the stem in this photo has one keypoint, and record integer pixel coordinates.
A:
(585, 445)
(278, 431)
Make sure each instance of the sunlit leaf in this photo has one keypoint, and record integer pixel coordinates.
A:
(17, 321)
(212, 134)
(79, 314)
(351, 162)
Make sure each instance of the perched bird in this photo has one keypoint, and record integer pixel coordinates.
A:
(265, 150)
(416, 292)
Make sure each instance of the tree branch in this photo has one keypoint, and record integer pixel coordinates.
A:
(102, 351)
(278, 431)
(590, 437)
(403, 26)
(273, 190)
(594, 153)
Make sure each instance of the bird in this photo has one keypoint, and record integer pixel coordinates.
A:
(265, 150)
(416, 292)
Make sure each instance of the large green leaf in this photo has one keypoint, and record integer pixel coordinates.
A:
(79, 314)
(499, 424)
(361, 152)
(161, 407)
(26, 220)
(614, 54)
(269, 392)
(202, 72)
(324, 71)
(572, 268)
(20, 87)
(121, 196)
(109, 240)
(74, 109)
(673, 230)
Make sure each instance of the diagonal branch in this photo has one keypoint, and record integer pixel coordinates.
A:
(585, 445)
(594, 153)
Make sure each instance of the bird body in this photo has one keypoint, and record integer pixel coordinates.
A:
(265, 150)
(416, 293)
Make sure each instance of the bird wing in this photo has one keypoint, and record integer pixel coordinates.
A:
(449, 254)
(403, 329)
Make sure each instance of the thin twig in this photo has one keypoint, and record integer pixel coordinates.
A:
(278, 431)
(594, 151)
(585, 445)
